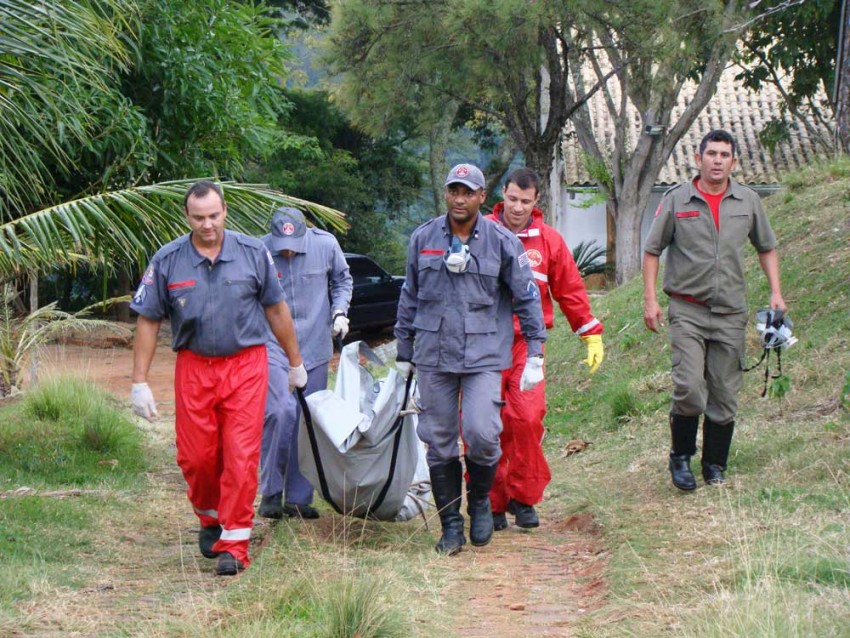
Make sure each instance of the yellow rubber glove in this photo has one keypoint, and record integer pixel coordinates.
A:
(595, 351)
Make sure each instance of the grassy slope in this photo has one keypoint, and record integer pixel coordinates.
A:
(759, 556)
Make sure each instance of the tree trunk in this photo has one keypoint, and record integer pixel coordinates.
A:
(438, 143)
(33, 291)
(611, 245)
(842, 81)
(541, 159)
(627, 243)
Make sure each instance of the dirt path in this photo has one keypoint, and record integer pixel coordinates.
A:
(536, 583)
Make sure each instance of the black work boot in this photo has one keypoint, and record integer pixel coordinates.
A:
(526, 515)
(271, 506)
(446, 482)
(228, 565)
(207, 537)
(683, 432)
(478, 502)
(294, 510)
(716, 440)
(500, 521)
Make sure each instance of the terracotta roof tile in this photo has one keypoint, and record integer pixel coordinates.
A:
(741, 112)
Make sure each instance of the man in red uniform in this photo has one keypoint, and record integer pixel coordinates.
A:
(523, 473)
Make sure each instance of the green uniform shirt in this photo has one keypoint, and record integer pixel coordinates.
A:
(702, 262)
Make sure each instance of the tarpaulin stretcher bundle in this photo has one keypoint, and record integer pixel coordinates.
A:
(358, 445)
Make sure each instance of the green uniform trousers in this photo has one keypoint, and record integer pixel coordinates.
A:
(708, 354)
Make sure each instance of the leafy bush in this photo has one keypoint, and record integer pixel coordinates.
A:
(590, 258)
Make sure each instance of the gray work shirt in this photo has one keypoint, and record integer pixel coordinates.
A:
(463, 322)
(315, 282)
(216, 308)
(702, 262)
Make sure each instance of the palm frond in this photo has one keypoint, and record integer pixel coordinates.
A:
(128, 225)
(53, 53)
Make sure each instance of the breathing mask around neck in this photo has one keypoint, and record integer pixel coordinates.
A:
(457, 256)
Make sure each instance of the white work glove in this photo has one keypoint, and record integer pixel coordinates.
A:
(340, 326)
(532, 374)
(297, 377)
(405, 368)
(141, 398)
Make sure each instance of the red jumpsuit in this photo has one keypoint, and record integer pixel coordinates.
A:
(523, 473)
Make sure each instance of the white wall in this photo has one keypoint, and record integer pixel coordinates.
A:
(578, 224)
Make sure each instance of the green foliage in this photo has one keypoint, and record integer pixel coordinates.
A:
(624, 404)
(102, 95)
(779, 386)
(22, 335)
(374, 180)
(56, 57)
(359, 607)
(798, 43)
(590, 258)
(68, 432)
(207, 79)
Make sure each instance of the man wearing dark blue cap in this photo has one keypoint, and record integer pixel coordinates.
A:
(309, 263)
(465, 279)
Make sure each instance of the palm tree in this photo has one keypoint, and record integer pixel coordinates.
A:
(52, 54)
(23, 335)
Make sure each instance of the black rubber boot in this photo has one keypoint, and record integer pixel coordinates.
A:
(526, 515)
(478, 502)
(228, 565)
(446, 483)
(271, 506)
(716, 441)
(207, 537)
(683, 433)
(500, 521)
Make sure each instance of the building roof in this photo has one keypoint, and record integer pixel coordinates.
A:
(733, 108)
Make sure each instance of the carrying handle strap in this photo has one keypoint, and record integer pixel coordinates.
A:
(314, 446)
(396, 443)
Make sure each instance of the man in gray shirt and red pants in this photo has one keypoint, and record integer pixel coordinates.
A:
(221, 292)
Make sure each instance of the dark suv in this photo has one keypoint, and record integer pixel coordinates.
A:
(376, 292)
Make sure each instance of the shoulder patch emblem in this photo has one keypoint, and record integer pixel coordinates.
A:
(141, 293)
(535, 258)
(531, 290)
(147, 278)
(523, 259)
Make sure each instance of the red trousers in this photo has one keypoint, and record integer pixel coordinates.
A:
(219, 404)
(523, 472)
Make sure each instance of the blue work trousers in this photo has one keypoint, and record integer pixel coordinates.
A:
(445, 398)
(279, 456)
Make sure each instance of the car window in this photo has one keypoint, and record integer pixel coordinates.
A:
(365, 271)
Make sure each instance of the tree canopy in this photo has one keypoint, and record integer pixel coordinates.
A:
(98, 99)
(531, 66)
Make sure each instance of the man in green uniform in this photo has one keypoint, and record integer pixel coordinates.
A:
(704, 225)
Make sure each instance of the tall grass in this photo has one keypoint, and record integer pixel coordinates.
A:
(68, 432)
